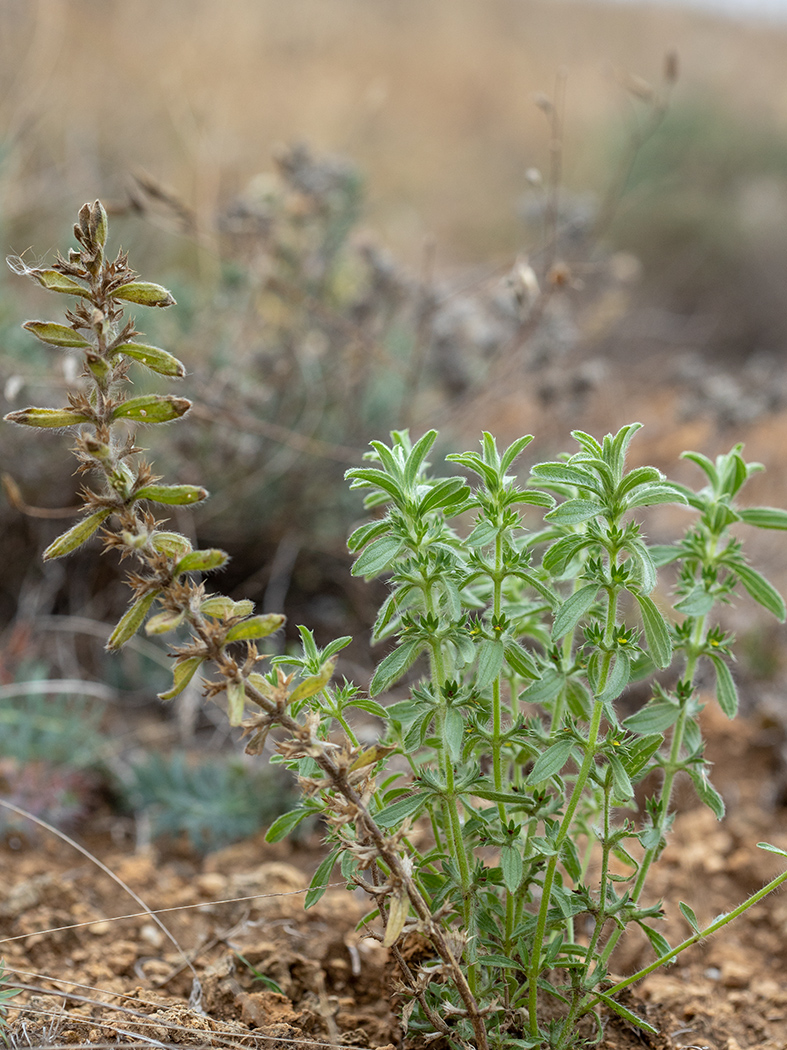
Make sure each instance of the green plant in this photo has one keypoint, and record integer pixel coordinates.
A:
(213, 802)
(52, 756)
(521, 615)
(6, 993)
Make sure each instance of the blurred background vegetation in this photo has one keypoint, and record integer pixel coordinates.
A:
(506, 214)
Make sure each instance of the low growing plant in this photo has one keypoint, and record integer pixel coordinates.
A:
(519, 618)
(212, 802)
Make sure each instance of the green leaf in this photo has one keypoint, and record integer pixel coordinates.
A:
(763, 592)
(638, 477)
(552, 760)
(574, 511)
(131, 621)
(544, 689)
(644, 567)
(696, 603)
(579, 700)
(454, 732)
(726, 693)
(201, 561)
(152, 408)
(636, 754)
(665, 553)
(144, 293)
(365, 533)
(336, 646)
(650, 495)
(76, 535)
(625, 1013)
(566, 475)
(394, 666)
(255, 627)
(48, 417)
(622, 786)
(655, 717)
(173, 495)
(659, 943)
(569, 856)
(56, 334)
(764, 517)
(482, 535)
(181, 676)
(444, 493)
(513, 452)
(705, 791)
(772, 849)
(689, 916)
(319, 883)
(563, 551)
(656, 632)
(705, 465)
(490, 663)
(519, 660)
(377, 557)
(573, 609)
(154, 358)
(371, 477)
(618, 678)
(417, 455)
(394, 815)
(506, 963)
(371, 707)
(512, 867)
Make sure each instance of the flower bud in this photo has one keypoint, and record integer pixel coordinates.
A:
(144, 293)
(201, 561)
(58, 282)
(130, 622)
(219, 606)
(100, 369)
(174, 495)
(154, 358)
(56, 334)
(164, 621)
(152, 408)
(48, 417)
(98, 224)
(255, 627)
(135, 540)
(172, 544)
(76, 535)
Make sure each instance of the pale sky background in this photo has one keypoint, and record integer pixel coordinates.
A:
(757, 9)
